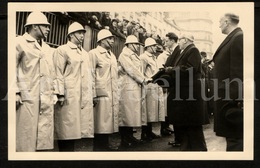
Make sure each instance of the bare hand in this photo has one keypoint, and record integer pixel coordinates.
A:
(55, 99)
(18, 99)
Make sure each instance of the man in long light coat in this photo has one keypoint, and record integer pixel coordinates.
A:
(105, 69)
(35, 89)
(74, 112)
(131, 103)
(154, 93)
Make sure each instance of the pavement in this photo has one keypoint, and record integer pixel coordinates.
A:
(213, 142)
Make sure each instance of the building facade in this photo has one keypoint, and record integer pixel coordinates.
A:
(199, 24)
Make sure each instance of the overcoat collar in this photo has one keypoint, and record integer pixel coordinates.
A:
(30, 38)
(72, 45)
(129, 52)
(227, 39)
(183, 53)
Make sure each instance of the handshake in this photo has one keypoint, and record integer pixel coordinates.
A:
(147, 80)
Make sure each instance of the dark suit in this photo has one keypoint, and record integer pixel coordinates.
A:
(188, 115)
(228, 61)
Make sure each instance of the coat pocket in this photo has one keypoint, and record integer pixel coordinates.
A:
(25, 88)
(101, 90)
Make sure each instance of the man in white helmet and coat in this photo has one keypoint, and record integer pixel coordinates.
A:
(74, 112)
(155, 107)
(106, 91)
(35, 96)
(131, 103)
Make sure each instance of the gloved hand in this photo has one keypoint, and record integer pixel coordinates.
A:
(147, 80)
(61, 100)
(95, 101)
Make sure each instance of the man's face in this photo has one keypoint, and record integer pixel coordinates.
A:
(77, 37)
(108, 42)
(125, 23)
(43, 30)
(182, 42)
(223, 24)
(114, 24)
(168, 42)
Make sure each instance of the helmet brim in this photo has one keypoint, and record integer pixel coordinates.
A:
(77, 31)
(134, 43)
(37, 24)
(105, 38)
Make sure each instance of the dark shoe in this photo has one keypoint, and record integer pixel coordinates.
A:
(165, 132)
(112, 148)
(125, 144)
(153, 135)
(130, 141)
(133, 140)
(146, 138)
(174, 144)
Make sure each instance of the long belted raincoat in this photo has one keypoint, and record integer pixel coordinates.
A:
(73, 119)
(131, 103)
(106, 90)
(34, 83)
(155, 105)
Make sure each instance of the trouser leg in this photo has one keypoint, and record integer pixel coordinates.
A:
(100, 142)
(192, 138)
(66, 145)
(234, 144)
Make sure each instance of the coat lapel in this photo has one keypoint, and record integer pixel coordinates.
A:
(227, 39)
(182, 54)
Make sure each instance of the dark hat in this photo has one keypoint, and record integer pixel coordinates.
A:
(171, 35)
(125, 20)
(203, 53)
(159, 48)
(133, 22)
(162, 78)
(233, 114)
(115, 20)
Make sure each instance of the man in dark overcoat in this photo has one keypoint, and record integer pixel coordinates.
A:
(228, 70)
(175, 52)
(188, 112)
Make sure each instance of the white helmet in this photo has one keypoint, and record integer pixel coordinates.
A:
(75, 26)
(36, 18)
(131, 39)
(102, 34)
(149, 42)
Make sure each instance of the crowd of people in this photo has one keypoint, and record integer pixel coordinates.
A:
(102, 20)
(68, 93)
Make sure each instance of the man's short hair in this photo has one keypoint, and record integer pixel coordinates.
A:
(232, 17)
(172, 36)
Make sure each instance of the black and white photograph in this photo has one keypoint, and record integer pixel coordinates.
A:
(131, 81)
